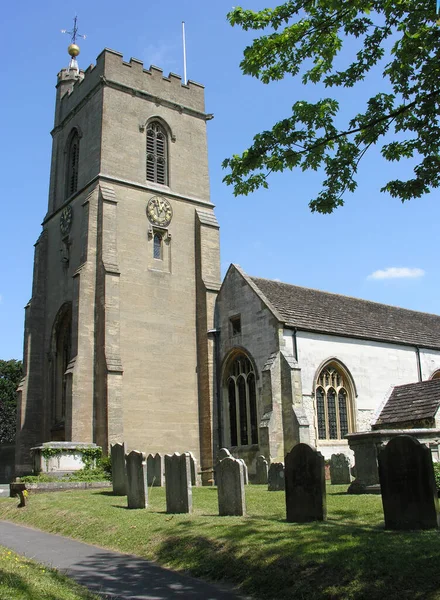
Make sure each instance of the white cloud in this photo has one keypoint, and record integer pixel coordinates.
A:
(397, 273)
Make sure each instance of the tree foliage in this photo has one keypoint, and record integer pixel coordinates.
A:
(10, 376)
(307, 38)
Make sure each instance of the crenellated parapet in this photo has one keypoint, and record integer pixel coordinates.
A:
(130, 77)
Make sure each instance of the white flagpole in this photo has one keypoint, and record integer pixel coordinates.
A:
(184, 52)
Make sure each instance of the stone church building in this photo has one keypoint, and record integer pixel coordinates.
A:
(130, 335)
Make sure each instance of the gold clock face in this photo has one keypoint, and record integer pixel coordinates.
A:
(159, 211)
(66, 220)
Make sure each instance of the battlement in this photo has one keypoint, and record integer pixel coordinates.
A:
(131, 77)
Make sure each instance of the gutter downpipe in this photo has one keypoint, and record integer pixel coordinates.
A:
(419, 365)
(295, 344)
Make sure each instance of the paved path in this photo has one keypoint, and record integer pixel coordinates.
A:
(113, 575)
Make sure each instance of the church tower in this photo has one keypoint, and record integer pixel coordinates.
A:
(126, 270)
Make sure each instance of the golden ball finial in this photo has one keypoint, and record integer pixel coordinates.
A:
(73, 50)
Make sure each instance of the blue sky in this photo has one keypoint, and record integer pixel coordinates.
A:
(270, 233)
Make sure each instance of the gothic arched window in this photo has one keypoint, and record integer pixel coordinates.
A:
(62, 342)
(157, 153)
(72, 163)
(241, 399)
(334, 406)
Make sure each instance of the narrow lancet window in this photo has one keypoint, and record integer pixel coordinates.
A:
(72, 164)
(157, 246)
(157, 153)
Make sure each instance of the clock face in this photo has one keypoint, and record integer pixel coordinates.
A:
(159, 211)
(66, 220)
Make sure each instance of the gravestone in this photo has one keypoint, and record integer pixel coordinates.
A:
(194, 477)
(223, 453)
(245, 471)
(178, 483)
(409, 493)
(339, 469)
(275, 478)
(155, 470)
(119, 470)
(137, 488)
(262, 469)
(305, 485)
(230, 482)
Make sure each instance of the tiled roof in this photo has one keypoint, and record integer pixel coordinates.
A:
(411, 402)
(312, 310)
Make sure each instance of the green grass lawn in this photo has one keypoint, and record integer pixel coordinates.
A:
(23, 579)
(350, 556)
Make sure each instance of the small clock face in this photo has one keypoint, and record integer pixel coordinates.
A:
(66, 220)
(159, 211)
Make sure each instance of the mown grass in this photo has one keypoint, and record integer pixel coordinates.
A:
(23, 579)
(350, 556)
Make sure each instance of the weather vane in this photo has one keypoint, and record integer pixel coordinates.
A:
(73, 48)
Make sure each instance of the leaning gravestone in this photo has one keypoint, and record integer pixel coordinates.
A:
(305, 485)
(275, 478)
(119, 471)
(178, 483)
(409, 493)
(155, 470)
(262, 469)
(230, 482)
(137, 488)
(340, 469)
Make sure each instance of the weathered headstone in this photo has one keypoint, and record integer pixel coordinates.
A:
(230, 482)
(178, 483)
(194, 475)
(262, 469)
(119, 470)
(155, 470)
(409, 493)
(223, 453)
(305, 485)
(339, 469)
(137, 488)
(245, 471)
(275, 477)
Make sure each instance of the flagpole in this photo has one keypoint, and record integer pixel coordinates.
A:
(184, 53)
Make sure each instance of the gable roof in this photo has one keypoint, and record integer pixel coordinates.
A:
(312, 310)
(411, 402)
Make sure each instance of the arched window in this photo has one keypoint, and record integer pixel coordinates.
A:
(62, 341)
(157, 153)
(72, 163)
(241, 396)
(157, 246)
(436, 374)
(334, 410)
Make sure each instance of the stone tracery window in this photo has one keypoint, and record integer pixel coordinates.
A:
(157, 153)
(334, 409)
(241, 400)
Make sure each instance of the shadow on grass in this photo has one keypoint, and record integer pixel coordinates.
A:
(316, 561)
